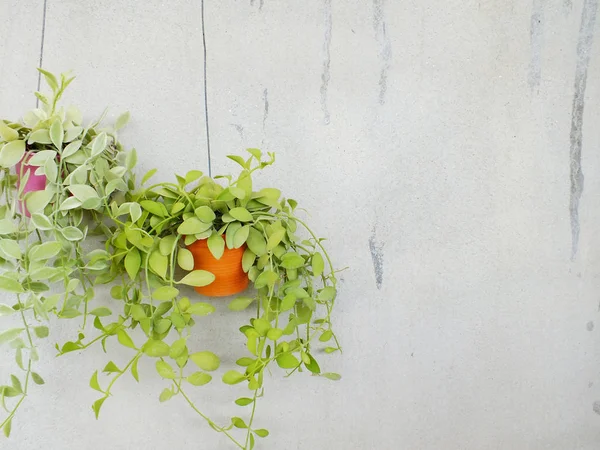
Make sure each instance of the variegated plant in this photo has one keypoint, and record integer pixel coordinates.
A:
(45, 269)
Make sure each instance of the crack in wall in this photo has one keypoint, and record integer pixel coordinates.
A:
(385, 46)
(41, 64)
(325, 75)
(206, 92)
(584, 47)
(536, 37)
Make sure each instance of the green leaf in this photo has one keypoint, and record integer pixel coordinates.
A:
(7, 427)
(37, 379)
(206, 360)
(177, 348)
(10, 249)
(261, 432)
(205, 214)
(37, 200)
(332, 376)
(312, 364)
(165, 293)
(72, 234)
(71, 149)
(241, 214)
(240, 303)
(199, 379)
(10, 285)
(70, 203)
(11, 153)
(275, 239)
(237, 192)
(97, 405)
(216, 245)
(99, 144)
(6, 133)
(45, 251)
(159, 263)
(111, 367)
(7, 227)
(185, 259)
(238, 422)
(6, 310)
(133, 261)
(233, 377)
(287, 361)
(94, 382)
(39, 136)
(41, 222)
(266, 278)
(83, 192)
(198, 278)
(251, 442)
(122, 120)
(57, 134)
(292, 261)
(16, 383)
(241, 236)
(134, 370)
(155, 348)
(193, 225)
(165, 395)
(261, 326)
(248, 260)
(148, 175)
(101, 312)
(165, 370)
(238, 159)
(201, 309)
(274, 333)
(51, 80)
(125, 339)
(41, 331)
(244, 362)
(158, 209)
(318, 265)
(256, 242)
(243, 401)
(327, 294)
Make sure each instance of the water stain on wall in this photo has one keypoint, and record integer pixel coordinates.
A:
(584, 48)
(376, 248)
(385, 46)
(590, 325)
(266, 110)
(536, 36)
(325, 75)
(596, 407)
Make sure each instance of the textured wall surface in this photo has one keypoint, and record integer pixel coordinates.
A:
(449, 149)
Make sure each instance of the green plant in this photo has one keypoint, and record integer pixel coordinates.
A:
(42, 262)
(293, 292)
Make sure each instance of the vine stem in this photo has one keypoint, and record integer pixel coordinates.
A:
(251, 419)
(208, 420)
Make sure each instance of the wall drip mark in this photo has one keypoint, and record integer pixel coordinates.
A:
(239, 129)
(385, 46)
(584, 47)
(325, 75)
(590, 325)
(266, 111)
(596, 407)
(376, 249)
(536, 36)
(41, 64)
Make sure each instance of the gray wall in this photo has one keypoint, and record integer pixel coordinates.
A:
(437, 143)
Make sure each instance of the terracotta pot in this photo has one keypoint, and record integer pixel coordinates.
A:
(34, 182)
(230, 278)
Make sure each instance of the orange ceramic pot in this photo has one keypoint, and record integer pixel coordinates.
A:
(230, 278)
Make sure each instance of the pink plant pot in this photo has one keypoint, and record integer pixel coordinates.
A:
(34, 182)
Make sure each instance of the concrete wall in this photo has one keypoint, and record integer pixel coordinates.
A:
(438, 144)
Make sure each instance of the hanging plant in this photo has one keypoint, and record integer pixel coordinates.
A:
(218, 235)
(57, 179)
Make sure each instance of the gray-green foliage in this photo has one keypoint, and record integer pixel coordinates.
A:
(43, 265)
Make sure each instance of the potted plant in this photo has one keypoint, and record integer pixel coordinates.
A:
(149, 244)
(57, 178)
(198, 232)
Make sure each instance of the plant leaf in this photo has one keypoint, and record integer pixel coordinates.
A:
(165, 370)
(240, 303)
(233, 377)
(165, 395)
(201, 309)
(332, 376)
(287, 361)
(199, 379)
(133, 261)
(216, 245)
(37, 200)
(241, 214)
(206, 360)
(165, 293)
(125, 339)
(205, 214)
(185, 259)
(198, 278)
(155, 348)
(57, 134)
(11, 153)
